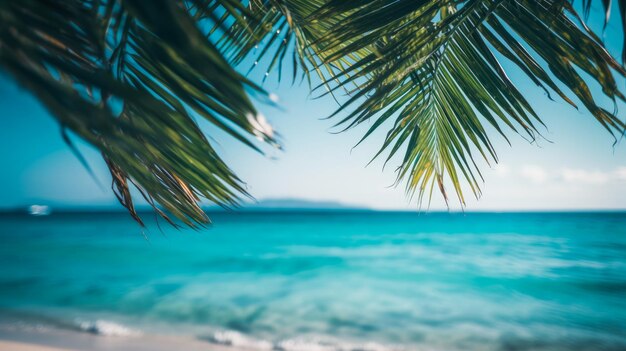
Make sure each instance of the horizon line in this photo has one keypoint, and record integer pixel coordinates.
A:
(214, 209)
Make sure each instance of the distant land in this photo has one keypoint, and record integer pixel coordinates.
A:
(299, 204)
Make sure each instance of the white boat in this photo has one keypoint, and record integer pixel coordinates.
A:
(39, 210)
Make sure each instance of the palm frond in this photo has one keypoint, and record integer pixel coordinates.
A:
(129, 77)
(435, 69)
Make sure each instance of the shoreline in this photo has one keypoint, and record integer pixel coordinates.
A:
(64, 340)
(22, 346)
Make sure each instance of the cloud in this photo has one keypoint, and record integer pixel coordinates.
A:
(620, 173)
(589, 177)
(534, 173)
(539, 175)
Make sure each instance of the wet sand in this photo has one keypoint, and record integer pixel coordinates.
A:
(62, 340)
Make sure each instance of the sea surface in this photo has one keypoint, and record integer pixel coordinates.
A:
(324, 281)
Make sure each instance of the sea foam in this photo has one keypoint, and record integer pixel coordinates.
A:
(239, 340)
(233, 338)
(106, 328)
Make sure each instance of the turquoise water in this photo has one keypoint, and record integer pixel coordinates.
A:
(326, 281)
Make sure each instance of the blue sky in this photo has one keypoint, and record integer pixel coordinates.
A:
(579, 168)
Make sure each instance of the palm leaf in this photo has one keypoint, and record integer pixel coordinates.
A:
(435, 68)
(129, 77)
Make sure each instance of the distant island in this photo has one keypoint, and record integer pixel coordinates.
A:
(299, 204)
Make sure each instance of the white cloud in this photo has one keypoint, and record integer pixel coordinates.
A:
(538, 174)
(585, 176)
(534, 173)
(620, 173)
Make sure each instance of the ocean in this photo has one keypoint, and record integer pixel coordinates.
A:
(323, 280)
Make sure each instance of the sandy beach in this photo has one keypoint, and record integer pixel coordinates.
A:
(62, 340)
(21, 346)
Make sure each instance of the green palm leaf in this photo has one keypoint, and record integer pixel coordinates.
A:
(129, 77)
(435, 68)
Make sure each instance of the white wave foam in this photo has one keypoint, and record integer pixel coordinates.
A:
(239, 340)
(233, 338)
(304, 345)
(106, 328)
(312, 344)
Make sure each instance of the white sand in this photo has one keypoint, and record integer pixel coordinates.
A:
(21, 346)
(63, 340)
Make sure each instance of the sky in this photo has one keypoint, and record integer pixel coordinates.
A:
(578, 167)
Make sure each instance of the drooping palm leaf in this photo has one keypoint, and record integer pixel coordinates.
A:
(129, 77)
(435, 69)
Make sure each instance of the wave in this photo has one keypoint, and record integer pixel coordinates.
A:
(306, 344)
(233, 338)
(239, 340)
(106, 328)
